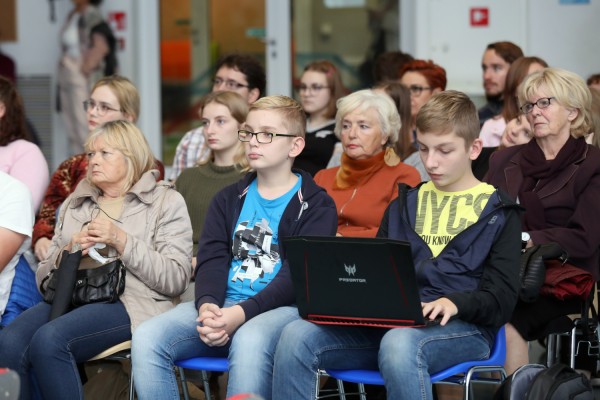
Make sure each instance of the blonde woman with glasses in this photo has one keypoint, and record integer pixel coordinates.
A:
(112, 98)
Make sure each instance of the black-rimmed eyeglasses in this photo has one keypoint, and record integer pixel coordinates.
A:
(542, 103)
(229, 84)
(261, 137)
(416, 90)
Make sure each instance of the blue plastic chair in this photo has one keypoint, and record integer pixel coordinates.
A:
(214, 364)
(459, 374)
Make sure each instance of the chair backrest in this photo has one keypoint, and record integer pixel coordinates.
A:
(498, 353)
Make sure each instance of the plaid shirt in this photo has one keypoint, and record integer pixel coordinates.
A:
(190, 150)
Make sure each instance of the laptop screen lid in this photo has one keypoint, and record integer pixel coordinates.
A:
(354, 281)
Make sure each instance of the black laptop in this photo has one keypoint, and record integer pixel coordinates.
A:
(355, 281)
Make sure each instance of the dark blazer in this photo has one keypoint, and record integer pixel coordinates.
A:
(571, 201)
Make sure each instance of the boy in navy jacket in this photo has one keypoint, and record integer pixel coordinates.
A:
(243, 288)
(465, 240)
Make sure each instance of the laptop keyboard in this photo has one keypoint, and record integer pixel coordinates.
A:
(368, 322)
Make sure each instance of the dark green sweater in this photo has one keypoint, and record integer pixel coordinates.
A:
(198, 185)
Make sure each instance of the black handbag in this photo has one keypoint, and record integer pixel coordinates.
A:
(103, 284)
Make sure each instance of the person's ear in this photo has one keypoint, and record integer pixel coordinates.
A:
(384, 139)
(2, 109)
(436, 90)
(253, 95)
(297, 147)
(129, 117)
(573, 113)
(475, 149)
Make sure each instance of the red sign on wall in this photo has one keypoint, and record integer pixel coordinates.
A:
(117, 20)
(479, 16)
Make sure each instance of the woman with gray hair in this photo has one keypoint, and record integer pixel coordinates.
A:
(556, 178)
(364, 184)
(118, 211)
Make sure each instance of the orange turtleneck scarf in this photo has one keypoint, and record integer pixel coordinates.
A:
(352, 172)
(362, 189)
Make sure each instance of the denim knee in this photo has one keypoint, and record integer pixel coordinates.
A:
(46, 342)
(13, 348)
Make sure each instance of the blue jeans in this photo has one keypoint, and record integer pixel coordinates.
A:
(160, 341)
(46, 354)
(405, 356)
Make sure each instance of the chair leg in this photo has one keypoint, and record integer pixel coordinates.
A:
(206, 385)
(131, 387)
(573, 347)
(362, 393)
(184, 388)
(340, 385)
(551, 350)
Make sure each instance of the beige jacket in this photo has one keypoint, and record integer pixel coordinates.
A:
(158, 269)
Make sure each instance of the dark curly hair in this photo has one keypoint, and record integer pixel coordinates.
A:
(12, 124)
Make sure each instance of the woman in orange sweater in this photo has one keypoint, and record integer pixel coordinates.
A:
(366, 181)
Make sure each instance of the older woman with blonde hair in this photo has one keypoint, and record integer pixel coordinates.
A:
(364, 184)
(113, 98)
(120, 211)
(556, 178)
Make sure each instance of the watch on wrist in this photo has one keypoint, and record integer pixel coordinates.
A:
(525, 238)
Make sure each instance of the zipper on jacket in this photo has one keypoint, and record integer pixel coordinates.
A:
(303, 206)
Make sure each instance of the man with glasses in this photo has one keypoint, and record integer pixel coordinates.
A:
(496, 61)
(238, 73)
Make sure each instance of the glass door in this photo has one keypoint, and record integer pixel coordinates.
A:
(284, 35)
(194, 35)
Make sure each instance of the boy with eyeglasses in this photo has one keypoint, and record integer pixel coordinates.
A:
(243, 288)
(238, 73)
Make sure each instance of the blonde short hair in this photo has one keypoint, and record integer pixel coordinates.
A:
(125, 137)
(569, 90)
(292, 114)
(449, 111)
(363, 100)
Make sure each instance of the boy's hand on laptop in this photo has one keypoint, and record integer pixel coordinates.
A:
(440, 308)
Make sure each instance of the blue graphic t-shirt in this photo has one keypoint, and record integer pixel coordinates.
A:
(256, 258)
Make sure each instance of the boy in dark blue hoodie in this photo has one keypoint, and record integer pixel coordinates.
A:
(243, 290)
(465, 240)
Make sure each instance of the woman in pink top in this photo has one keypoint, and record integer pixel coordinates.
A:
(19, 157)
